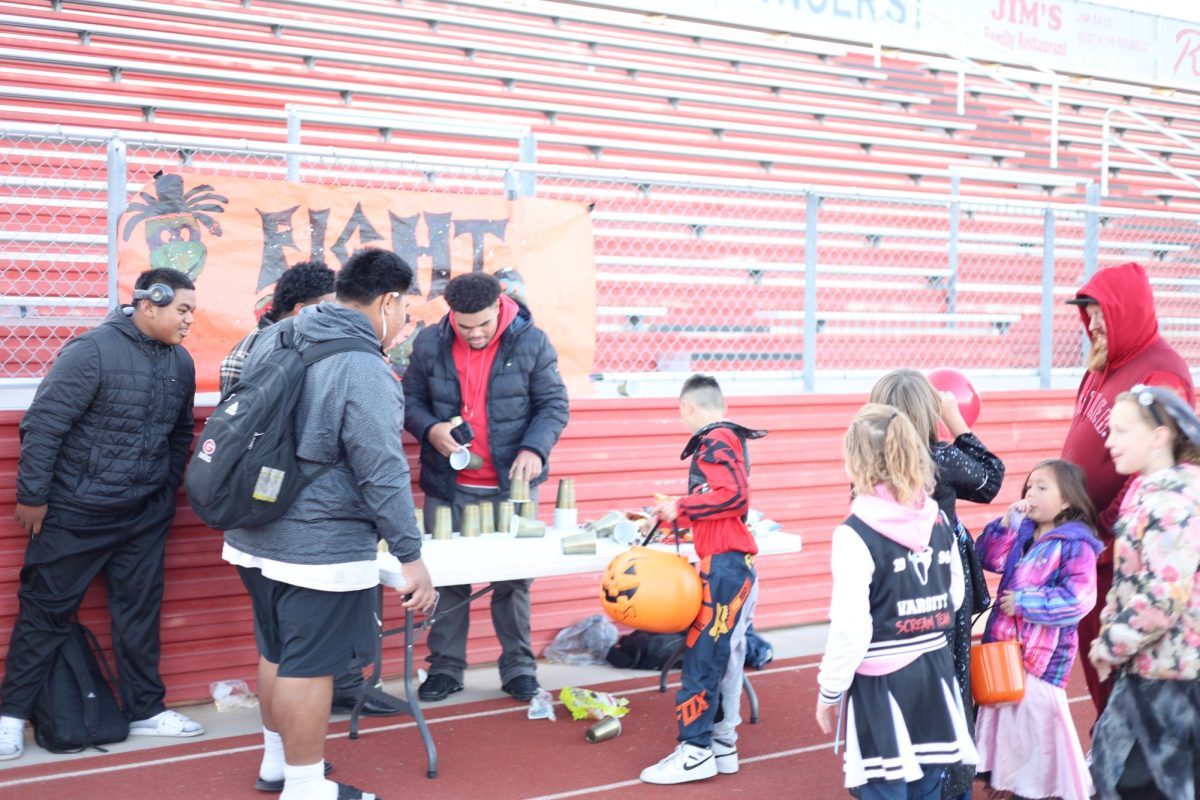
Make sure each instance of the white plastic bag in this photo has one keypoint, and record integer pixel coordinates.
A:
(232, 694)
(585, 642)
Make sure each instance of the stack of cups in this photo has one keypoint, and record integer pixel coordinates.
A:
(443, 526)
(487, 517)
(504, 515)
(566, 515)
(470, 520)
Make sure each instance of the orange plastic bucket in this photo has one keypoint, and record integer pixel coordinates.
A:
(997, 674)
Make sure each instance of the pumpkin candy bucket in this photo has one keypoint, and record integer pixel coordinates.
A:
(651, 590)
(997, 674)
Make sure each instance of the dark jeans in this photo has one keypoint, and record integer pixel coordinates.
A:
(60, 563)
(929, 787)
(510, 607)
(1089, 629)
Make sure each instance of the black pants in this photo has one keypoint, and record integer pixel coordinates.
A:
(60, 563)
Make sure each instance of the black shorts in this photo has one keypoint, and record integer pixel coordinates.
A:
(309, 633)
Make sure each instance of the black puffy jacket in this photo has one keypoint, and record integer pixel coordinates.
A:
(110, 424)
(527, 406)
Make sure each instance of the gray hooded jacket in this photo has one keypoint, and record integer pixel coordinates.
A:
(350, 414)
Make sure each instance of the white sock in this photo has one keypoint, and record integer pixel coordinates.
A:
(271, 768)
(15, 723)
(307, 782)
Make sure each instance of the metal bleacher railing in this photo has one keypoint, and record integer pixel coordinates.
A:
(803, 288)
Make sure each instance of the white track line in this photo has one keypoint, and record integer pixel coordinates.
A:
(625, 784)
(83, 773)
(608, 787)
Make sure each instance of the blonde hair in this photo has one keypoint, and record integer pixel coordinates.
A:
(1183, 450)
(912, 393)
(882, 446)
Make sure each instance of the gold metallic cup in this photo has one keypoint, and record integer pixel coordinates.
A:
(487, 517)
(504, 515)
(605, 526)
(566, 493)
(607, 728)
(529, 510)
(470, 520)
(518, 490)
(526, 528)
(579, 544)
(443, 524)
(420, 520)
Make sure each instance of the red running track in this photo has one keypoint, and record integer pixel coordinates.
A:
(490, 750)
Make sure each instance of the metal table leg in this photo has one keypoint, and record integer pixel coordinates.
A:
(411, 707)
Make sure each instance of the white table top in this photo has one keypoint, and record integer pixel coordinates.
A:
(502, 556)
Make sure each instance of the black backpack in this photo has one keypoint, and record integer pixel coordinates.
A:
(75, 708)
(244, 471)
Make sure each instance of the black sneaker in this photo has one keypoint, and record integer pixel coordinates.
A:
(522, 687)
(378, 704)
(438, 687)
(264, 785)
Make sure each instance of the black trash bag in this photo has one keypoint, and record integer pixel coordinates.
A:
(643, 650)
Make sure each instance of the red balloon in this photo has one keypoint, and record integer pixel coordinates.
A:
(953, 381)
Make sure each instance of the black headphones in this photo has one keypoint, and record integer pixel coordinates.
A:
(159, 294)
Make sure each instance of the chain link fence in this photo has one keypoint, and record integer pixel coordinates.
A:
(805, 288)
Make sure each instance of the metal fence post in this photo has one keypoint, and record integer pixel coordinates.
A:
(952, 252)
(1091, 249)
(527, 148)
(810, 291)
(116, 207)
(293, 134)
(1046, 339)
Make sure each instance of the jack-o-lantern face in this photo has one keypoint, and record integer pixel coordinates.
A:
(617, 592)
(651, 590)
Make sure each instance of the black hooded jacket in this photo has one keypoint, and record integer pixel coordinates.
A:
(527, 406)
(110, 424)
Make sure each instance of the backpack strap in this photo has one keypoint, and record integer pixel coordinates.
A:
(322, 350)
(94, 643)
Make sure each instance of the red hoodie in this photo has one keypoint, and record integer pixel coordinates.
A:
(474, 368)
(1136, 354)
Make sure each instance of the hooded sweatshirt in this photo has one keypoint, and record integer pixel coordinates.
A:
(474, 368)
(1055, 583)
(851, 626)
(348, 417)
(1136, 354)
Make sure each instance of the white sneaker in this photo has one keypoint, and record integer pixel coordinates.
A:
(12, 742)
(166, 723)
(726, 757)
(686, 763)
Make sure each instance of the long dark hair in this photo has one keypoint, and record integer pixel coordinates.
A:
(1072, 485)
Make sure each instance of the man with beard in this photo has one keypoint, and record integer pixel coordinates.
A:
(1117, 309)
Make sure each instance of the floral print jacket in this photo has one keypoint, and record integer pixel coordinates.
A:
(1151, 621)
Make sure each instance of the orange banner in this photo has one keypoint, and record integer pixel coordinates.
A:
(234, 237)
